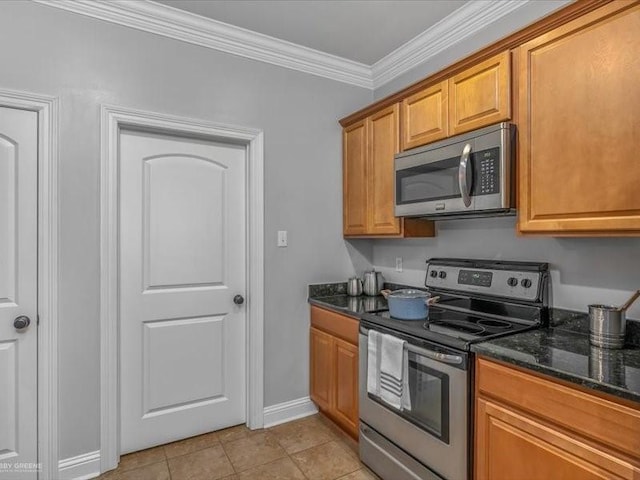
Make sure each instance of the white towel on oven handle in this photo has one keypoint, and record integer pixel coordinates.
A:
(391, 375)
(387, 370)
(391, 358)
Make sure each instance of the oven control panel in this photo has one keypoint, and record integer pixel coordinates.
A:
(516, 284)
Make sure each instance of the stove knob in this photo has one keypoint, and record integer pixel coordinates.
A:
(433, 273)
(442, 274)
(512, 281)
(525, 282)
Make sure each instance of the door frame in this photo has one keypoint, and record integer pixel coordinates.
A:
(47, 322)
(113, 118)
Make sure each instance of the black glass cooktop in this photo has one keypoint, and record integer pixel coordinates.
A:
(453, 328)
(487, 307)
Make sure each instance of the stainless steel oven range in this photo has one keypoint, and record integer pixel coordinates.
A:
(430, 438)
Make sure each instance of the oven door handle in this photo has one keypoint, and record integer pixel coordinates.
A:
(463, 175)
(437, 356)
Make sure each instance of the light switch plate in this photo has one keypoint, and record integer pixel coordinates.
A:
(282, 238)
(398, 264)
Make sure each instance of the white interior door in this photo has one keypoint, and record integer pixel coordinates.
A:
(18, 292)
(182, 262)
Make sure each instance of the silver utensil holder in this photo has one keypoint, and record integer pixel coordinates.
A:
(607, 326)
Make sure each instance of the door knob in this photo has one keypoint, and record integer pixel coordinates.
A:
(21, 322)
(238, 299)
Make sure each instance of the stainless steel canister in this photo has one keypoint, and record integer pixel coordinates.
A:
(607, 326)
(373, 283)
(354, 286)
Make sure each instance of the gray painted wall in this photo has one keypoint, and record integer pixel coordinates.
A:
(87, 62)
(583, 270)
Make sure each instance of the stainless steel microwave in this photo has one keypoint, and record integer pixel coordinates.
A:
(470, 174)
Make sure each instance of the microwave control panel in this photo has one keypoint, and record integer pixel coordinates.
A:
(487, 172)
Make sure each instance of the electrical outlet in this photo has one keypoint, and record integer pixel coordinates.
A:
(398, 264)
(282, 238)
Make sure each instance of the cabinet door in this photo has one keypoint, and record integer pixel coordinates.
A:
(322, 360)
(346, 385)
(354, 178)
(383, 145)
(425, 116)
(481, 95)
(512, 445)
(579, 135)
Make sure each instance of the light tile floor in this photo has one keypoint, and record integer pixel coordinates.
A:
(308, 449)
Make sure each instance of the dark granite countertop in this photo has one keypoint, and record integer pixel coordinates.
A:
(563, 351)
(354, 306)
(333, 296)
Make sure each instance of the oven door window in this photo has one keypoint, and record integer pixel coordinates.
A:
(429, 395)
(429, 390)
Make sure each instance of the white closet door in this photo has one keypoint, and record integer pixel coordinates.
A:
(182, 262)
(18, 293)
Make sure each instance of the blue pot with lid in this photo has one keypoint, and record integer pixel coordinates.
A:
(408, 303)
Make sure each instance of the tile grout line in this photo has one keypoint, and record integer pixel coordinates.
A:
(235, 472)
(298, 466)
(166, 461)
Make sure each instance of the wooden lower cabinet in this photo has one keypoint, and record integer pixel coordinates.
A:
(345, 405)
(322, 360)
(531, 427)
(334, 367)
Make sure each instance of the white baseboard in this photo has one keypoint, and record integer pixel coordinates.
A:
(82, 467)
(287, 411)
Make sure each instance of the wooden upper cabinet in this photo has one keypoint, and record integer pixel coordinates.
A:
(480, 95)
(425, 116)
(579, 108)
(369, 147)
(384, 133)
(354, 188)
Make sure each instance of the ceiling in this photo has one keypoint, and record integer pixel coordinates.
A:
(364, 31)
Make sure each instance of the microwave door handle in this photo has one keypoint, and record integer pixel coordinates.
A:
(463, 175)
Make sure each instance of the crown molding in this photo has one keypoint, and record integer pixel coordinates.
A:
(180, 25)
(170, 22)
(462, 23)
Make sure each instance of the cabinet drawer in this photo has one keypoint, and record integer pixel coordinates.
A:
(338, 325)
(592, 417)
